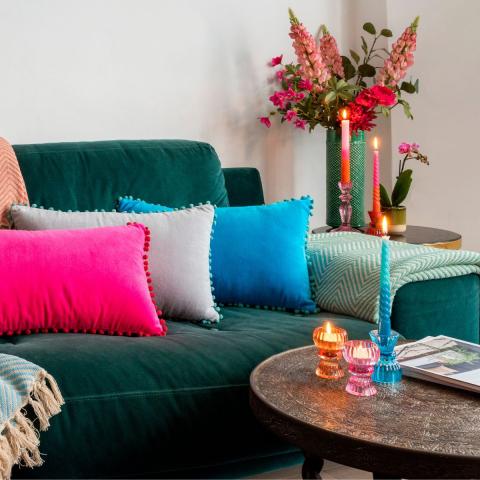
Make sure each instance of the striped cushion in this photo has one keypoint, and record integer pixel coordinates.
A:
(12, 186)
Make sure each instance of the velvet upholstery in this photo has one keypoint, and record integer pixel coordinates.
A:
(92, 175)
(244, 186)
(177, 406)
(162, 407)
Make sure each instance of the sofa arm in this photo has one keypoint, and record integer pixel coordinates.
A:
(449, 306)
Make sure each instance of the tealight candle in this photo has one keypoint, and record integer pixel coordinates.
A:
(385, 235)
(361, 356)
(330, 341)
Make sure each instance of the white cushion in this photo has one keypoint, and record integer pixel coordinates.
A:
(179, 258)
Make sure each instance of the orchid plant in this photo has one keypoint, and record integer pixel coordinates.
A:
(410, 151)
(315, 89)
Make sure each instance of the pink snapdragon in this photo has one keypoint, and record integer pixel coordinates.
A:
(279, 74)
(265, 121)
(276, 61)
(401, 57)
(330, 54)
(312, 66)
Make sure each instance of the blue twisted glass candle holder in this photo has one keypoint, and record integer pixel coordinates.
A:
(387, 370)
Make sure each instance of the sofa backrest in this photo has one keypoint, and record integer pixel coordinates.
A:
(92, 175)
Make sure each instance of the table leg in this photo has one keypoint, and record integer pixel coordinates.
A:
(312, 466)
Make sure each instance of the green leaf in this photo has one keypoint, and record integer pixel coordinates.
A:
(406, 108)
(407, 87)
(385, 111)
(330, 96)
(416, 85)
(364, 45)
(366, 70)
(355, 56)
(368, 27)
(402, 187)
(348, 68)
(384, 198)
(386, 32)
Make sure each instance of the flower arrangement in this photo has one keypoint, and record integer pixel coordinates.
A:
(322, 82)
(404, 179)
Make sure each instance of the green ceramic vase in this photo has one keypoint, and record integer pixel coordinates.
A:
(357, 175)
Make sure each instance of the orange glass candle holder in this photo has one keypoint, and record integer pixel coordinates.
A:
(329, 340)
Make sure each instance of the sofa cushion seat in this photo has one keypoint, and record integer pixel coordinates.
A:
(176, 395)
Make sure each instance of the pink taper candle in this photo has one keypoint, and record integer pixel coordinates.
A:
(376, 177)
(345, 171)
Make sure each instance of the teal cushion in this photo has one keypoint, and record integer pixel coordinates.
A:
(158, 407)
(92, 175)
(258, 253)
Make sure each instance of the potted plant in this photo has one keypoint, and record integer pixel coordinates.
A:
(314, 89)
(392, 207)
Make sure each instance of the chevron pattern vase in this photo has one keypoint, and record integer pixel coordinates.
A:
(12, 186)
(357, 174)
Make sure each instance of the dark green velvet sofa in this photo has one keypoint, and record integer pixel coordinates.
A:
(177, 406)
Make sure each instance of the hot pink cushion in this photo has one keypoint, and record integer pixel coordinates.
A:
(92, 280)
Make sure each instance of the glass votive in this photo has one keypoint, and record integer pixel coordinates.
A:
(329, 340)
(361, 356)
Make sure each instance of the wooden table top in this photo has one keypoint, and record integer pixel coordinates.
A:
(435, 237)
(415, 429)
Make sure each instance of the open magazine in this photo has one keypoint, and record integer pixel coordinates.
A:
(443, 360)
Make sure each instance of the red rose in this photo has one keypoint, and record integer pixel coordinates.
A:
(367, 99)
(384, 95)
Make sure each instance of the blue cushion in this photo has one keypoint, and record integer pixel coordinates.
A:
(258, 253)
(129, 204)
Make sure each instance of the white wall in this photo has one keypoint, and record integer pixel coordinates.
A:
(197, 69)
(446, 112)
(102, 69)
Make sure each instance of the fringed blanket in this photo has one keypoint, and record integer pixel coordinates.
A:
(345, 269)
(25, 389)
(12, 185)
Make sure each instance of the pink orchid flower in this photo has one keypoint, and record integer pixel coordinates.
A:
(404, 148)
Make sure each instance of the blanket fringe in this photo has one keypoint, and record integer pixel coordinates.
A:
(20, 440)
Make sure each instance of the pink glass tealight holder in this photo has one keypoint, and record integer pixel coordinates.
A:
(361, 356)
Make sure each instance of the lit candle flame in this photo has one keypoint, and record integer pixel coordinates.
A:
(375, 143)
(345, 114)
(384, 225)
(328, 327)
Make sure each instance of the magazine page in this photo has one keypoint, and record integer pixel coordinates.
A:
(455, 361)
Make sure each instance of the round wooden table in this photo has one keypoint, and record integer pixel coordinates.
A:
(413, 430)
(433, 237)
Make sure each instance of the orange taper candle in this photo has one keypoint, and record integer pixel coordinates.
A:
(345, 170)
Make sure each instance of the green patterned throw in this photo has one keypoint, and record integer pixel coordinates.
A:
(345, 269)
(24, 384)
